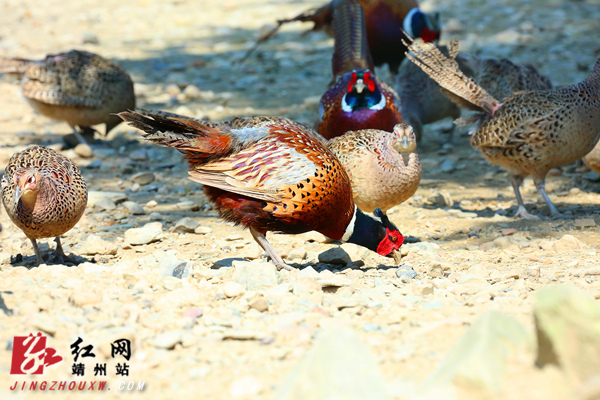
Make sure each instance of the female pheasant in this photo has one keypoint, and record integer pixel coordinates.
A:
(423, 102)
(529, 132)
(385, 22)
(356, 99)
(80, 88)
(383, 167)
(270, 174)
(44, 195)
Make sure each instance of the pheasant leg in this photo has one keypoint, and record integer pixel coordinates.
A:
(59, 254)
(540, 185)
(38, 255)
(261, 239)
(516, 182)
(79, 136)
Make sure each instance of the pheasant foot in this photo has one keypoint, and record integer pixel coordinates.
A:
(261, 239)
(540, 185)
(516, 182)
(59, 254)
(38, 254)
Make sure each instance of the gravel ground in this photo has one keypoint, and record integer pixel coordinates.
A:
(206, 314)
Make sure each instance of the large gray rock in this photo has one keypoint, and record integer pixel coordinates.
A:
(568, 331)
(147, 234)
(96, 245)
(478, 359)
(339, 366)
(95, 196)
(336, 255)
(186, 225)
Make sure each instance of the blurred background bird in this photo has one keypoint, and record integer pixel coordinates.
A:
(81, 88)
(385, 24)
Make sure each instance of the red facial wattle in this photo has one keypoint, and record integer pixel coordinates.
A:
(368, 80)
(352, 82)
(428, 35)
(388, 244)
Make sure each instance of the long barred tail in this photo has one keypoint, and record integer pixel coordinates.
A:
(461, 89)
(197, 139)
(351, 48)
(14, 65)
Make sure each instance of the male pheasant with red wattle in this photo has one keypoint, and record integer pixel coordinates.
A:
(387, 24)
(356, 99)
(271, 174)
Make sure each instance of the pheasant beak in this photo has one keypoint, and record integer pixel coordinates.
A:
(397, 256)
(18, 194)
(404, 142)
(360, 86)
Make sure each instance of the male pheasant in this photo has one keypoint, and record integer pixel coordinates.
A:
(356, 99)
(529, 132)
(80, 88)
(270, 174)
(385, 22)
(383, 167)
(44, 194)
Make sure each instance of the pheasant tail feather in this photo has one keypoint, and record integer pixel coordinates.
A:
(351, 47)
(186, 135)
(446, 72)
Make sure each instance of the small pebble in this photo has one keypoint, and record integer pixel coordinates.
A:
(83, 150)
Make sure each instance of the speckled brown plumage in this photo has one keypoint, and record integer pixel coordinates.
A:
(44, 194)
(502, 77)
(266, 173)
(80, 88)
(356, 99)
(530, 132)
(383, 167)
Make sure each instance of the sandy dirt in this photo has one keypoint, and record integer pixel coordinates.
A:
(212, 333)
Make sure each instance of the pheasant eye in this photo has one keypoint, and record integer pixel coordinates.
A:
(394, 238)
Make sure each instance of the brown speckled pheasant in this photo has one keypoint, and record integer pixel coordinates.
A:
(271, 174)
(80, 88)
(383, 167)
(44, 195)
(529, 132)
(356, 99)
(424, 103)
